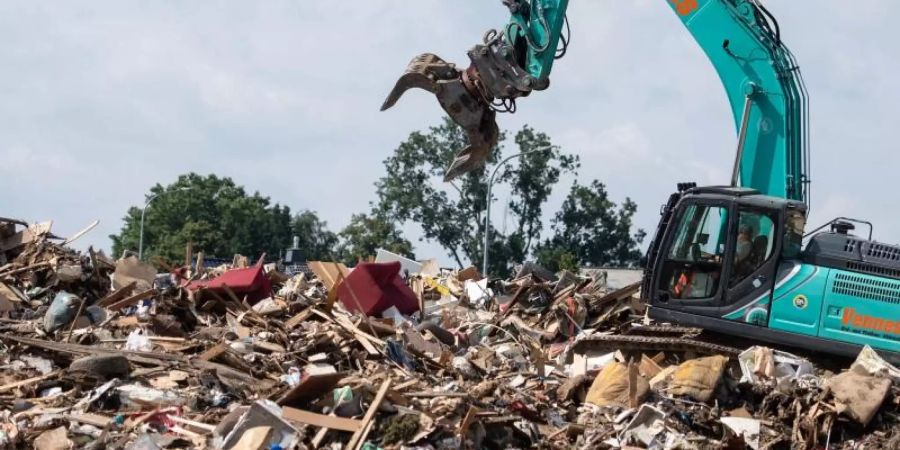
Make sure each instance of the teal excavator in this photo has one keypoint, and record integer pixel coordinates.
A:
(732, 259)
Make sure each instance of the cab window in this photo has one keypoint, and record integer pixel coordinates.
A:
(693, 265)
(753, 244)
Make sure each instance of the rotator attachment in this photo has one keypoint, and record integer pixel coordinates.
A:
(461, 99)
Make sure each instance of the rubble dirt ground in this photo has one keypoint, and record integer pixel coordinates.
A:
(99, 353)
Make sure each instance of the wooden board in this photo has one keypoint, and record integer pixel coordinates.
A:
(26, 236)
(329, 273)
(311, 386)
(212, 352)
(320, 420)
(360, 435)
(117, 295)
(133, 300)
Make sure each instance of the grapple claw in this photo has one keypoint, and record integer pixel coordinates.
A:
(460, 99)
(481, 142)
(423, 72)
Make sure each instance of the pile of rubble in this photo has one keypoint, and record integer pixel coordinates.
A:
(100, 353)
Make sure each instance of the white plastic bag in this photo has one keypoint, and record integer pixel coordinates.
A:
(137, 342)
(759, 363)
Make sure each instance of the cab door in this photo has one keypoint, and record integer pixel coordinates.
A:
(692, 261)
(754, 265)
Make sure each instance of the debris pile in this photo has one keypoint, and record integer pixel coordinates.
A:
(100, 353)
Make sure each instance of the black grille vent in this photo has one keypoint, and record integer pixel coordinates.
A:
(840, 251)
(882, 251)
(858, 286)
(874, 270)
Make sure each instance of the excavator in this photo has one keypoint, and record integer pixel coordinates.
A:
(732, 259)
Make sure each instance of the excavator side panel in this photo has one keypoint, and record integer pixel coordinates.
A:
(796, 304)
(862, 309)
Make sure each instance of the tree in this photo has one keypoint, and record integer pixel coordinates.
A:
(590, 230)
(453, 214)
(316, 242)
(217, 216)
(368, 232)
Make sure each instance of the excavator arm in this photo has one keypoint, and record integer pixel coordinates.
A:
(764, 88)
(740, 38)
(508, 64)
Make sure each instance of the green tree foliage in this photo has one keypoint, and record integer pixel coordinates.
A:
(589, 230)
(317, 243)
(217, 216)
(368, 232)
(453, 214)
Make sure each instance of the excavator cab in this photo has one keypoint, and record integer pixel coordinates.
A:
(718, 251)
(715, 252)
(731, 260)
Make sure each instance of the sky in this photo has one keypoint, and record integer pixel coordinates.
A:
(101, 100)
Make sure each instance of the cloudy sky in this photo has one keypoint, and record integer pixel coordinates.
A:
(100, 100)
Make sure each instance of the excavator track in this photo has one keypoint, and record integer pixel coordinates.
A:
(654, 344)
(664, 330)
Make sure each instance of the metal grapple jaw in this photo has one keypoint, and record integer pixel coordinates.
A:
(459, 95)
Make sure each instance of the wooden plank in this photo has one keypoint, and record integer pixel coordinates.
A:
(12, 294)
(418, 287)
(96, 420)
(26, 382)
(311, 386)
(617, 295)
(299, 318)
(26, 268)
(436, 394)
(360, 435)
(152, 358)
(198, 425)
(133, 300)
(26, 236)
(332, 293)
(471, 414)
(321, 420)
(270, 347)
(184, 432)
(364, 339)
(212, 352)
(328, 272)
(406, 384)
(320, 436)
(117, 295)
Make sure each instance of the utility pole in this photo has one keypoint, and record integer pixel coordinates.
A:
(487, 208)
(144, 211)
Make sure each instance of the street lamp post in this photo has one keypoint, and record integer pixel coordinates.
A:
(487, 208)
(143, 212)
